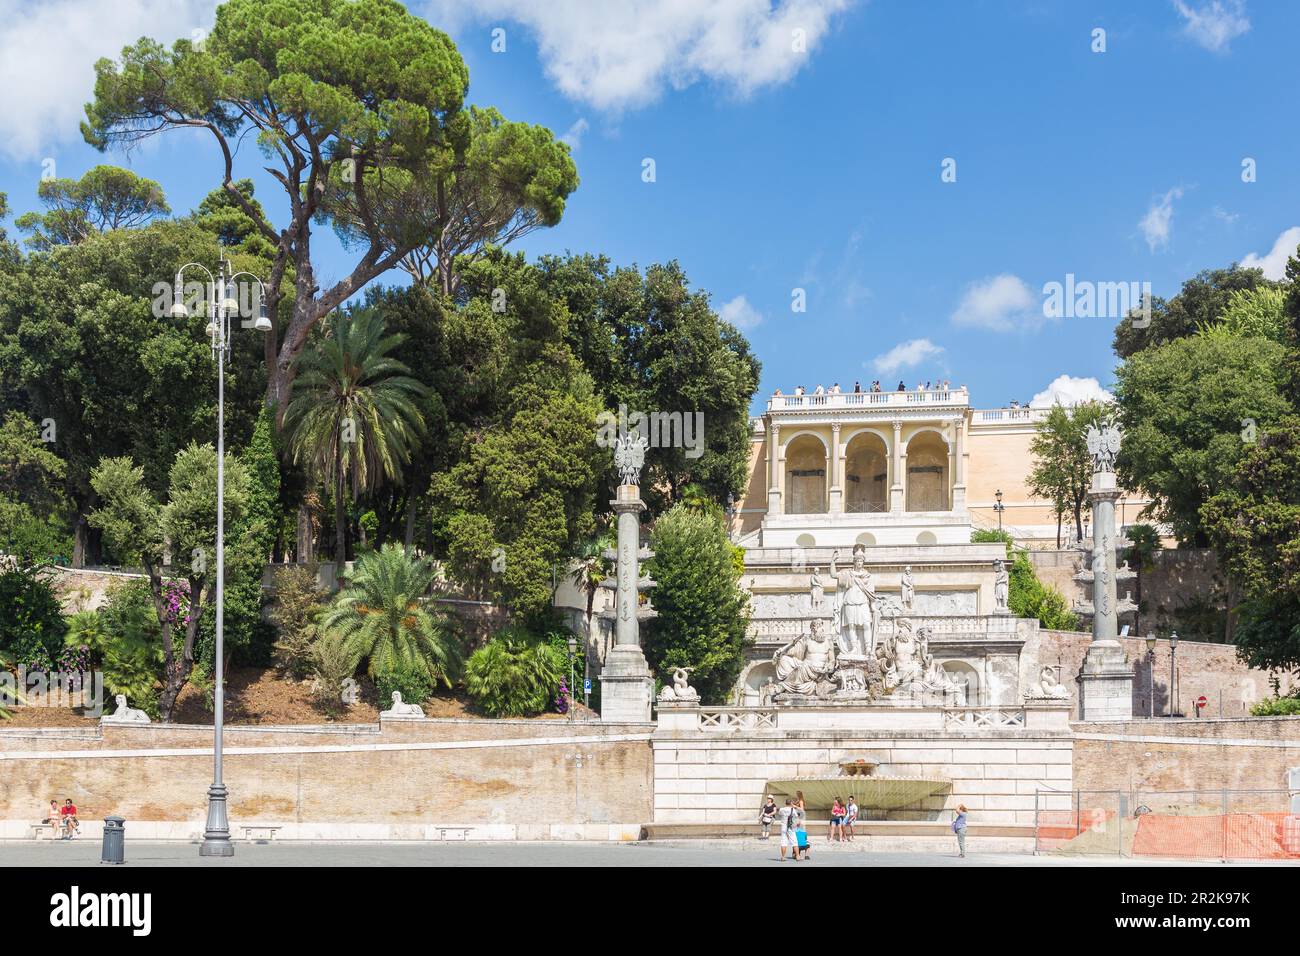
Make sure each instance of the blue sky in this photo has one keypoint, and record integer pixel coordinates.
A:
(820, 170)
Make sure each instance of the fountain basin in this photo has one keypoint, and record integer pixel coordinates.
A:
(871, 792)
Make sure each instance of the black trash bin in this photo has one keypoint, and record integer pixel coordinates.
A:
(114, 838)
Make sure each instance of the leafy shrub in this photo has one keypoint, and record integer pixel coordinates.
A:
(1026, 595)
(126, 642)
(31, 618)
(387, 618)
(514, 674)
(332, 662)
(298, 601)
(1277, 707)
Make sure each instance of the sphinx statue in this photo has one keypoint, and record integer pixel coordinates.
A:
(125, 714)
(400, 710)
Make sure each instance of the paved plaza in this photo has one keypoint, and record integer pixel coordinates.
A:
(697, 853)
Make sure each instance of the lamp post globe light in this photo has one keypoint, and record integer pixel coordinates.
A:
(221, 307)
(999, 507)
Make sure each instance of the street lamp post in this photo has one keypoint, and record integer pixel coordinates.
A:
(216, 833)
(573, 650)
(1173, 652)
(1151, 674)
(999, 507)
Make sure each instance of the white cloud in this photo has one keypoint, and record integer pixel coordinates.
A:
(616, 56)
(740, 313)
(1273, 262)
(1068, 390)
(48, 50)
(1156, 223)
(1214, 25)
(905, 355)
(996, 303)
(573, 135)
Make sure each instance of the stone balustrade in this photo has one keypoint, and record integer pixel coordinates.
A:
(909, 399)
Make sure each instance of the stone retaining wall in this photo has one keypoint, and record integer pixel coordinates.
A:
(525, 778)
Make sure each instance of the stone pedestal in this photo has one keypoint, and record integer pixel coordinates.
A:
(626, 685)
(1106, 683)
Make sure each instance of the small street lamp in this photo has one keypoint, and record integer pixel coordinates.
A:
(1173, 652)
(221, 307)
(999, 507)
(573, 650)
(1151, 674)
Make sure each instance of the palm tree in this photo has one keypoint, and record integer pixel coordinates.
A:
(590, 567)
(383, 615)
(353, 418)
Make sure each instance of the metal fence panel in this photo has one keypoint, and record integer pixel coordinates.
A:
(1184, 825)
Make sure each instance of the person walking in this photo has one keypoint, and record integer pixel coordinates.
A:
(959, 828)
(766, 816)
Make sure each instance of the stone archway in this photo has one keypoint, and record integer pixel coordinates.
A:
(964, 675)
(749, 686)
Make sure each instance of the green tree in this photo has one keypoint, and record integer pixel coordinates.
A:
(106, 197)
(1258, 313)
(521, 491)
(31, 619)
(1189, 410)
(139, 528)
(84, 343)
(703, 611)
(653, 344)
(359, 107)
(1254, 525)
(384, 615)
(1201, 302)
(1062, 468)
(123, 641)
(590, 567)
(1144, 543)
(33, 508)
(354, 416)
(299, 600)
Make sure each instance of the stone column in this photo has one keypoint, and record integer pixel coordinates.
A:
(896, 485)
(774, 478)
(1106, 679)
(626, 684)
(836, 473)
(959, 478)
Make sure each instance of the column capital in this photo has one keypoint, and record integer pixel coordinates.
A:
(898, 424)
(835, 428)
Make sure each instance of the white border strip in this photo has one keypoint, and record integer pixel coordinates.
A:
(323, 749)
(1195, 741)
